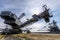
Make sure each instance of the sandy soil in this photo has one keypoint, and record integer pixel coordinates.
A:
(31, 37)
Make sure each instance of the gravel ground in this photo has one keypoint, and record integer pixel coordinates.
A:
(10, 37)
(31, 37)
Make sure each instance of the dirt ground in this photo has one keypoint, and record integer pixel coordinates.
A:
(30, 37)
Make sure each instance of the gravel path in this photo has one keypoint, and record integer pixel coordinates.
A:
(9, 37)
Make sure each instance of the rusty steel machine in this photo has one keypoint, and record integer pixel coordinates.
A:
(14, 21)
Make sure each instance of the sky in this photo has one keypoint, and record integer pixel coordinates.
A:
(31, 7)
